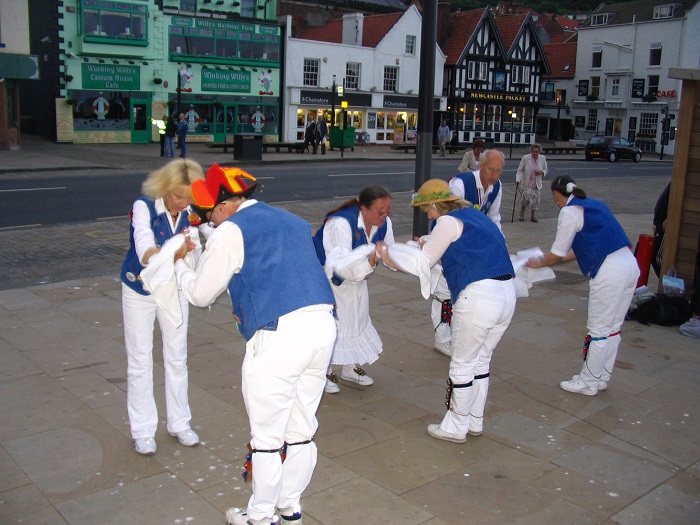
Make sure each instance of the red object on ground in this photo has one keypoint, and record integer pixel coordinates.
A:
(645, 247)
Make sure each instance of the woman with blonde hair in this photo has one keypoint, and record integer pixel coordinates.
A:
(160, 214)
(479, 274)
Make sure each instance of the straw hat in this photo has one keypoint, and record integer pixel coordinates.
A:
(433, 190)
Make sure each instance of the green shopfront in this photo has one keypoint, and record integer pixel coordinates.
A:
(224, 75)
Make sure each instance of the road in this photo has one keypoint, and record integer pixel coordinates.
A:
(49, 199)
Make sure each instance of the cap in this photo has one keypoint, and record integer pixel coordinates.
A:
(433, 190)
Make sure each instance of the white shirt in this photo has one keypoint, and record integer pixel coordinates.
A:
(447, 230)
(222, 258)
(457, 188)
(569, 223)
(144, 238)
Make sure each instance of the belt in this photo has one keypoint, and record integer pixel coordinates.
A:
(506, 277)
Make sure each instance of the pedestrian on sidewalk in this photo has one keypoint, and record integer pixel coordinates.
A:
(603, 251)
(322, 134)
(159, 215)
(443, 136)
(482, 188)
(479, 274)
(283, 306)
(470, 161)
(161, 124)
(170, 132)
(345, 247)
(310, 135)
(531, 170)
(182, 128)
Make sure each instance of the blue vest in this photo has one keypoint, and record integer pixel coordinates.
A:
(132, 267)
(600, 236)
(359, 237)
(479, 253)
(471, 193)
(280, 273)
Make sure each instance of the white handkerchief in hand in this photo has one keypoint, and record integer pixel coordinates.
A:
(525, 277)
(159, 279)
(411, 260)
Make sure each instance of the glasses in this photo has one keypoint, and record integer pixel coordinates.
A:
(382, 213)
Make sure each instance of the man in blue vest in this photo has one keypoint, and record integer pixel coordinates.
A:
(483, 189)
(283, 306)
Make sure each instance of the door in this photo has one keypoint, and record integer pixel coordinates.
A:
(617, 127)
(225, 126)
(140, 126)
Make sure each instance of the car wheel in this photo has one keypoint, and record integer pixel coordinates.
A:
(612, 156)
(589, 158)
(637, 157)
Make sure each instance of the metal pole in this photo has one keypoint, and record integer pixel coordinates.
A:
(343, 115)
(512, 130)
(333, 103)
(426, 94)
(558, 134)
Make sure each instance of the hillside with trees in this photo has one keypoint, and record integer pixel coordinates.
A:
(541, 6)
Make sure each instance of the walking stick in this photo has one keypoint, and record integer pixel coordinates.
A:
(515, 198)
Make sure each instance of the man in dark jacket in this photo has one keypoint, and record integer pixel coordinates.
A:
(310, 135)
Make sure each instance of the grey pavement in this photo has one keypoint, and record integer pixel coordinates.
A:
(629, 455)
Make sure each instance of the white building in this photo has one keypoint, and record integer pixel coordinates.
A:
(624, 54)
(375, 59)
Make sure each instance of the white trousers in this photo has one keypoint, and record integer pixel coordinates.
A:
(443, 331)
(284, 372)
(140, 313)
(480, 316)
(609, 298)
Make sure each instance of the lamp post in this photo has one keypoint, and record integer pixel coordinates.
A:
(333, 103)
(513, 116)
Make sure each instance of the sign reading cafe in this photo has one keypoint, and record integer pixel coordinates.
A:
(108, 77)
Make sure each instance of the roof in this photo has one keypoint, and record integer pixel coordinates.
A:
(460, 30)
(560, 56)
(638, 11)
(508, 28)
(558, 28)
(374, 28)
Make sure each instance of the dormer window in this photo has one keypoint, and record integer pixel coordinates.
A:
(601, 19)
(665, 11)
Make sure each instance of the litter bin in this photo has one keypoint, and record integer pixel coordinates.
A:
(247, 146)
(348, 137)
(489, 143)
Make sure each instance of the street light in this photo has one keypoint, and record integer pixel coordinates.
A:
(333, 103)
(513, 116)
(343, 123)
(559, 97)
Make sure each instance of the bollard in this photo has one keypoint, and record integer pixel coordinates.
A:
(645, 248)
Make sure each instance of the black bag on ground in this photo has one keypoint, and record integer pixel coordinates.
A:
(663, 310)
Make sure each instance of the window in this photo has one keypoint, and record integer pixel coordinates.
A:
(655, 54)
(597, 58)
(410, 44)
(248, 8)
(600, 19)
(311, 71)
(595, 86)
(615, 87)
(648, 122)
(653, 84)
(478, 70)
(592, 120)
(120, 23)
(391, 75)
(664, 11)
(352, 75)
(520, 74)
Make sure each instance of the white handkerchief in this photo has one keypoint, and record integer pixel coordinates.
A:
(525, 277)
(159, 279)
(410, 259)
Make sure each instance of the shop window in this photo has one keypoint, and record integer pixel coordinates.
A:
(493, 118)
(100, 110)
(114, 22)
(648, 124)
(311, 68)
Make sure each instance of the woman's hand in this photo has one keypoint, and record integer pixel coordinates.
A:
(420, 241)
(382, 251)
(534, 262)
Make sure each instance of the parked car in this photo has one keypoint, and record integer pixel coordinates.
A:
(612, 149)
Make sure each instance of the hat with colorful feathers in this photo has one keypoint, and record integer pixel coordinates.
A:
(219, 185)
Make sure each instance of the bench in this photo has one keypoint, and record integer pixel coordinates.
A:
(412, 147)
(290, 146)
(219, 145)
